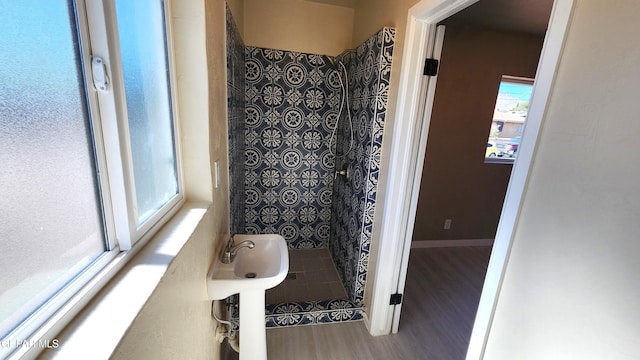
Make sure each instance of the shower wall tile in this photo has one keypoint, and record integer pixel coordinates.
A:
(236, 123)
(289, 104)
(288, 158)
(354, 199)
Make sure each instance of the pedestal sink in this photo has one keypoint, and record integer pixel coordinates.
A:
(251, 272)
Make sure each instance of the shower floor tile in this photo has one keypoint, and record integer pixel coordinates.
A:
(312, 277)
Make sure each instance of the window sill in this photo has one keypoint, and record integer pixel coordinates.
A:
(100, 326)
(497, 160)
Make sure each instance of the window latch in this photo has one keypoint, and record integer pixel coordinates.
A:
(99, 71)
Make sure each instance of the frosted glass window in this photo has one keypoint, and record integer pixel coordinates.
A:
(50, 217)
(146, 77)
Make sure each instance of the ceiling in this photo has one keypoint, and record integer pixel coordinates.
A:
(345, 3)
(529, 16)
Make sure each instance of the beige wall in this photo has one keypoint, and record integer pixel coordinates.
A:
(176, 323)
(456, 182)
(372, 15)
(571, 285)
(237, 10)
(176, 320)
(189, 61)
(298, 25)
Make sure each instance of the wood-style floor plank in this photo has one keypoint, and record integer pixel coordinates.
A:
(440, 301)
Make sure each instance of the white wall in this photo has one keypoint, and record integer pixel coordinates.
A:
(572, 284)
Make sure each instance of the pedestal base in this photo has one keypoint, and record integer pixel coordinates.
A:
(253, 332)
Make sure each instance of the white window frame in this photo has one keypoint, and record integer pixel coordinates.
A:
(103, 31)
(97, 29)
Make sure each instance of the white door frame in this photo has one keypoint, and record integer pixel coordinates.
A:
(405, 171)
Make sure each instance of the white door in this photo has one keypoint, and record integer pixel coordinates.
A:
(433, 52)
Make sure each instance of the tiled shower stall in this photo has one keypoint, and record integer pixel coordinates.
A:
(283, 109)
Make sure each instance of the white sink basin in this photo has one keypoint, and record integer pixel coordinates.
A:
(250, 273)
(260, 268)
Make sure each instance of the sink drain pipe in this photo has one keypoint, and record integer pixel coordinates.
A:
(224, 330)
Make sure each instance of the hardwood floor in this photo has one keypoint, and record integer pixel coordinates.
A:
(440, 301)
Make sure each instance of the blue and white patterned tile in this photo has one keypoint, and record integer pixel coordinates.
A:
(289, 223)
(365, 237)
(291, 159)
(251, 216)
(306, 112)
(271, 139)
(253, 159)
(293, 119)
(253, 115)
(235, 103)
(315, 312)
(368, 91)
(375, 158)
(377, 128)
(268, 215)
(288, 230)
(253, 196)
(254, 71)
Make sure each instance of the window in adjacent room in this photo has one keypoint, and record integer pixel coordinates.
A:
(509, 116)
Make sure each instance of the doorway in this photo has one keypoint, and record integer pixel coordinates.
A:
(407, 155)
(463, 185)
(469, 153)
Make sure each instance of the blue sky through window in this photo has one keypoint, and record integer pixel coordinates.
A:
(519, 91)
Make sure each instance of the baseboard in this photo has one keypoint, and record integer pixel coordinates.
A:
(450, 243)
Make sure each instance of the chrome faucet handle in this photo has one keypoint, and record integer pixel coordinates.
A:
(225, 255)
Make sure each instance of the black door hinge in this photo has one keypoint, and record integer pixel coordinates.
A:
(395, 299)
(431, 67)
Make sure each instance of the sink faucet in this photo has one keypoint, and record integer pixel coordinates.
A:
(231, 249)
